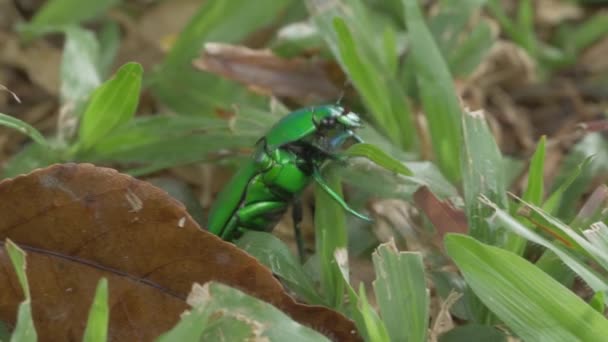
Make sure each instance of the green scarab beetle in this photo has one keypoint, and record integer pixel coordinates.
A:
(283, 163)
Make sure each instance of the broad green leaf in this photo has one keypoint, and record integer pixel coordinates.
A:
(220, 311)
(531, 303)
(437, 93)
(56, 14)
(401, 292)
(97, 325)
(24, 329)
(23, 127)
(379, 157)
(79, 66)
(535, 191)
(111, 105)
(273, 253)
(591, 277)
(330, 230)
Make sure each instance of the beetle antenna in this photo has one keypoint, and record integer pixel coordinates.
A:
(342, 92)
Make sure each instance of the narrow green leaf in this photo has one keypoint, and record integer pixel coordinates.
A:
(437, 92)
(400, 289)
(56, 14)
(373, 89)
(482, 175)
(24, 329)
(531, 303)
(469, 53)
(32, 156)
(99, 315)
(111, 105)
(379, 157)
(272, 252)
(109, 42)
(553, 203)
(365, 316)
(191, 92)
(79, 65)
(535, 191)
(374, 326)
(23, 127)
(351, 31)
(330, 230)
(594, 280)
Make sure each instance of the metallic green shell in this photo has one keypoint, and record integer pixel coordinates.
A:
(299, 124)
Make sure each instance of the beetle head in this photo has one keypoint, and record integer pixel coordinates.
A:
(332, 117)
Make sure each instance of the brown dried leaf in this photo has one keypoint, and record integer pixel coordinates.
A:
(81, 222)
(302, 80)
(442, 214)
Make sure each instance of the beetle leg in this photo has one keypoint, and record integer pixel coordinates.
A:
(296, 215)
(319, 179)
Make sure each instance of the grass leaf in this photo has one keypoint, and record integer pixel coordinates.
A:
(24, 329)
(23, 127)
(531, 303)
(379, 157)
(437, 92)
(400, 289)
(57, 14)
(535, 191)
(273, 253)
(99, 315)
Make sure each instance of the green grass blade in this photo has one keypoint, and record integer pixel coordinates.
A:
(79, 66)
(111, 105)
(351, 34)
(99, 315)
(437, 92)
(594, 280)
(273, 253)
(531, 303)
(56, 14)
(400, 289)
(535, 190)
(330, 232)
(23, 127)
(482, 175)
(188, 91)
(365, 316)
(379, 157)
(374, 326)
(24, 329)
(553, 203)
